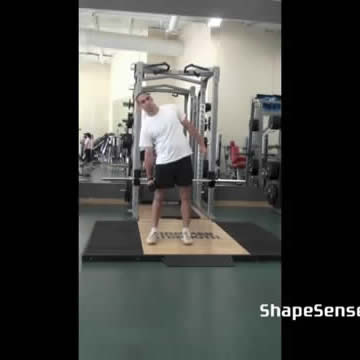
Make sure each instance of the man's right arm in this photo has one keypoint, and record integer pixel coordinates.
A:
(145, 142)
(149, 161)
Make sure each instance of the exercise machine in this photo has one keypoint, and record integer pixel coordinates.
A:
(263, 168)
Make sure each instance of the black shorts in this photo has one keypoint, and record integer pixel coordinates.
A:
(178, 173)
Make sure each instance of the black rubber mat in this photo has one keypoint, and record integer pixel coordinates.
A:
(198, 260)
(112, 239)
(253, 238)
(174, 212)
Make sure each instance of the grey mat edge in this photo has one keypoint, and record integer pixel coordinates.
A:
(199, 261)
(159, 258)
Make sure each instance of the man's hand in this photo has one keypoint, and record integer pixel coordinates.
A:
(203, 149)
(150, 181)
(151, 185)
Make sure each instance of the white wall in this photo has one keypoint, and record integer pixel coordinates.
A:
(122, 79)
(249, 61)
(199, 49)
(94, 98)
(163, 98)
(250, 64)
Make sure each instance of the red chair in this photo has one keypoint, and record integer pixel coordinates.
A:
(237, 161)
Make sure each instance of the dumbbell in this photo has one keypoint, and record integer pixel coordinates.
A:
(152, 186)
(128, 191)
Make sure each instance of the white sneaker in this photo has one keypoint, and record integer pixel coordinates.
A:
(152, 238)
(186, 237)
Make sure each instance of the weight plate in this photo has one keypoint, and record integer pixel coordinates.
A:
(272, 193)
(273, 170)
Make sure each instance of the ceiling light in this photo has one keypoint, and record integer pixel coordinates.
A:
(214, 22)
(172, 24)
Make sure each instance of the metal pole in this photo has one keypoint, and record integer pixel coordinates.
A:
(263, 173)
(259, 140)
(193, 112)
(249, 145)
(212, 150)
(139, 74)
(168, 76)
(166, 87)
(218, 154)
(144, 180)
(186, 102)
(266, 144)
(199, 170)
(168, 91)
(197, 73)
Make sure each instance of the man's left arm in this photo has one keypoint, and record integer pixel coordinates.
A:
(194, 132)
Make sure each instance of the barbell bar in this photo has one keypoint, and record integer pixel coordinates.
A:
(144, 180)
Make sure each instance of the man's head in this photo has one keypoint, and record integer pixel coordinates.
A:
(146, 102)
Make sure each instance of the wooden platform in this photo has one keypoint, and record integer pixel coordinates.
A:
(209, 239)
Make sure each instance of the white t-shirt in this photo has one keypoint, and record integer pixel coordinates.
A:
(165, 133)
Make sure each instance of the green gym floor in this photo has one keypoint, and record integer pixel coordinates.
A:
(146, 310)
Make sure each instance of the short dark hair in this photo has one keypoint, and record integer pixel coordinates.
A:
(141, 93)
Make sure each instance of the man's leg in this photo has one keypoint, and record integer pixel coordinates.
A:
(156, 209)
(184, 176)
(185, 196)
(156, 206)
(164, 180)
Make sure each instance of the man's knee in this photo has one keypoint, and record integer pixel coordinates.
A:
(185, 193)
(159, 195)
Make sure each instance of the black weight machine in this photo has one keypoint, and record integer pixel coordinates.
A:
(263, 168)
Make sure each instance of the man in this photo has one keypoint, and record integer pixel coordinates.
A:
(162, 132)
(89, 144)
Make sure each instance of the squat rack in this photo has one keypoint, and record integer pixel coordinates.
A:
(148, 72)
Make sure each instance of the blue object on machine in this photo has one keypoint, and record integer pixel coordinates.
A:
(270, 102)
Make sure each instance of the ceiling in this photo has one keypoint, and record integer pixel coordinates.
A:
(266, 11)
(135, 23)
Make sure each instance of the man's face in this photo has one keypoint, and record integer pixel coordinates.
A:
(146, 102)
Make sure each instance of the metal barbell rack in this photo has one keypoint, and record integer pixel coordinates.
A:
(147, 72)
